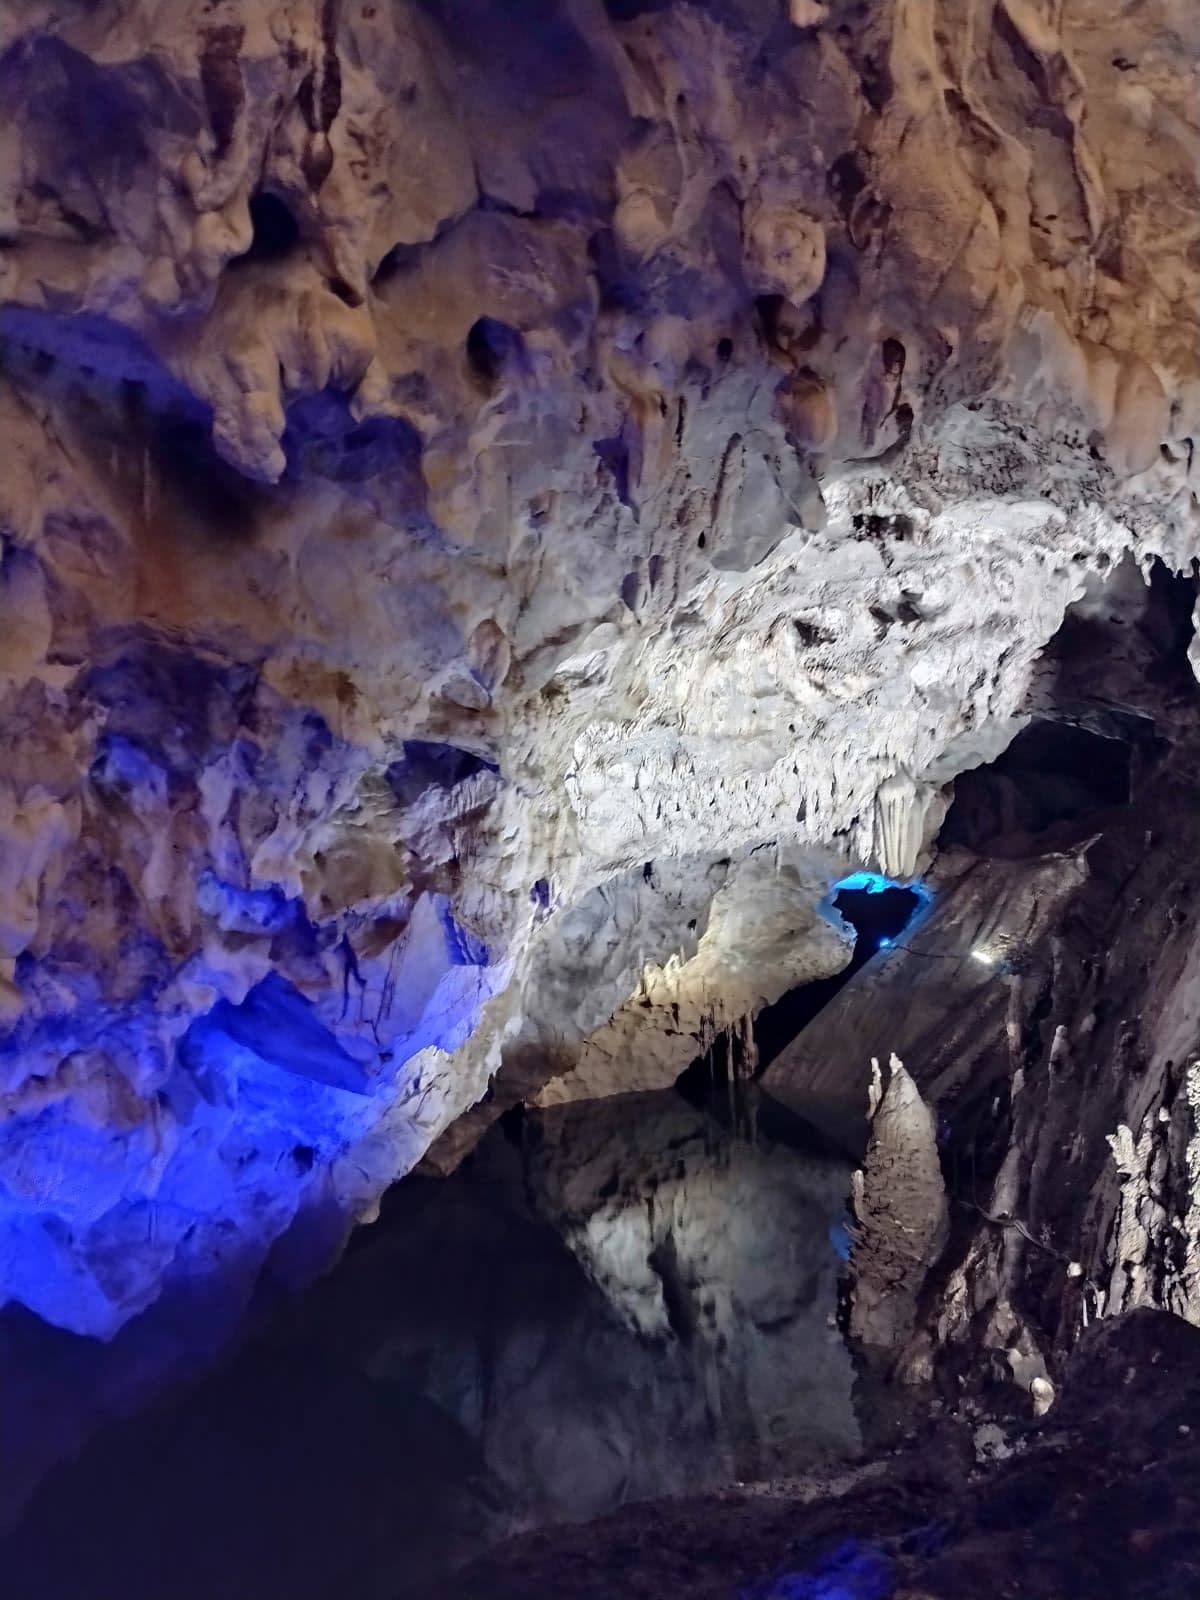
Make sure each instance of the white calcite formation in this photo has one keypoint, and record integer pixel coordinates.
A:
(766, 933)
(473, 475)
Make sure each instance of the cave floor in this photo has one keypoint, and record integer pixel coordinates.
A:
(1102, 1500)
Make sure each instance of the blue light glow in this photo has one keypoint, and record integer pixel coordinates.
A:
(876, 883)
(276, 1025)
(839, 1238)
(863, 882)
(869, 882)
(463, 948)
(853, 1571)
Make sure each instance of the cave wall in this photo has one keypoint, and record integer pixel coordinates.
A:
(1045, 1011)
(473, 474)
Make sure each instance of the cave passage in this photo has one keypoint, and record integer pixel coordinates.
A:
(879, 910)
(1052, 775)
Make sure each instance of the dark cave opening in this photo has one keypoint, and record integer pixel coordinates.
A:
(1053, 773)
(878, 914)
(879, 911)
(276, 231)
(198, 486)
(493, 349)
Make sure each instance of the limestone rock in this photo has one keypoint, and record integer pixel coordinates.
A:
(457, 457)
(901, 1211)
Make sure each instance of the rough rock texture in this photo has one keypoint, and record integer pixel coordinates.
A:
(475, 472)
(1104, 1499)
(926, 991)
(767, 933)
(901, 1214)
(1047, 1010)
(719, 1246)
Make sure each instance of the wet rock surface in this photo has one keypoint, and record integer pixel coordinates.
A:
(615, 1302)
(506, 507)
(1102, 1498)
(643, 1295)
(475, 474)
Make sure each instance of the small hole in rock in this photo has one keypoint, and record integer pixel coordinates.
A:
(768, 307)
(847, 180)
(344, 292)
(276, 231)
(400, 258)
(493, 348)
(893, 358)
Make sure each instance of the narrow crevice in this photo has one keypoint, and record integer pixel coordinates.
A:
(276, 231)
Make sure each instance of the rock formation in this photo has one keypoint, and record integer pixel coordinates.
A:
(902, 1217)
(495, 1354)
(1103, 1498)
(503, 505)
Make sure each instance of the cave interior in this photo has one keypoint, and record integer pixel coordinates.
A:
(600, 800)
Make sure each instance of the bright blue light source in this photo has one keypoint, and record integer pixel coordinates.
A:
(864, 882)
(853, 1571)
(871, 882)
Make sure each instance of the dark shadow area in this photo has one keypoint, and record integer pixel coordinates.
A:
(196, 482)
(426, 765)
(628, 10)
(879, 915)
(1052, 772)
(276, 231)
(323, 440)
(1100, 1498)
(1112, 691)
(1119, 664)
(494, 351)
(517, 1345)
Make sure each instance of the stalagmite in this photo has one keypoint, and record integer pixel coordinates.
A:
(900, 1207)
